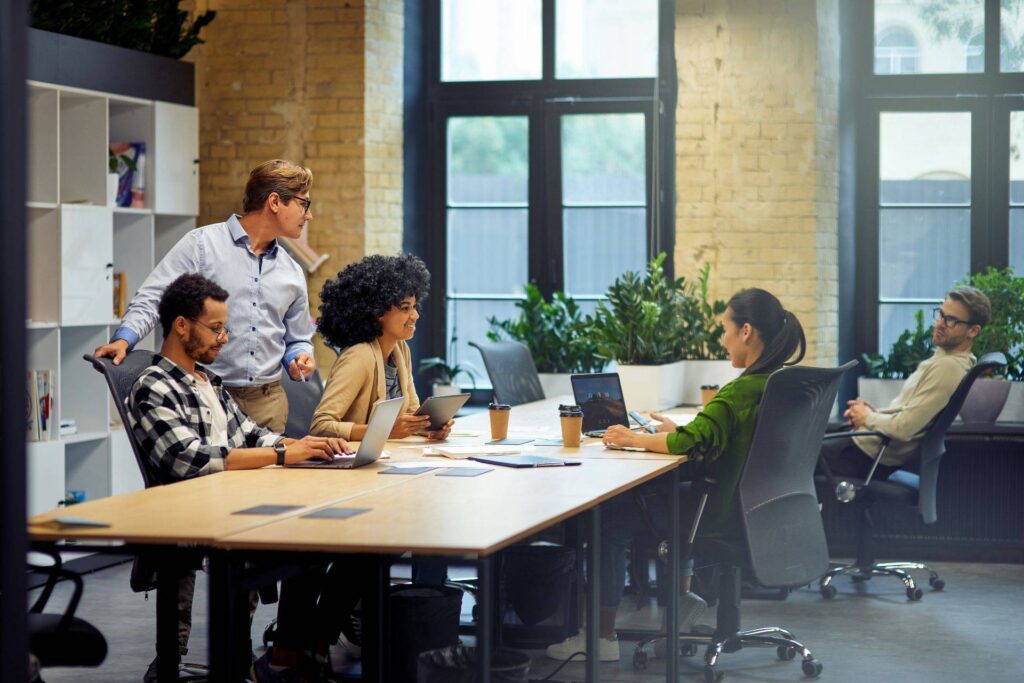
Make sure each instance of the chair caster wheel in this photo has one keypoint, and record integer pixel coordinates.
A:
(712, 675)
(785, 652)
(812, 668)
(936, 583)
(914, 594)
(639, 660)
(828, 592)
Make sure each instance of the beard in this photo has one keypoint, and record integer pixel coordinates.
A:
(197, 352)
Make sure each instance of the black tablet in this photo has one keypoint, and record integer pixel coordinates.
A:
(441, 409)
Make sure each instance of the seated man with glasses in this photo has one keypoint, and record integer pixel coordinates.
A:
(188, 423)
(925, 393)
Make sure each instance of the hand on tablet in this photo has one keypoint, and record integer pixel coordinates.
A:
(409, 424)
(442, 433)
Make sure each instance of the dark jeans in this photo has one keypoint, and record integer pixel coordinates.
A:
(845, 459)
(622, 519)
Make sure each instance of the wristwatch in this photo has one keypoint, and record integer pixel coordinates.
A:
(280, 448)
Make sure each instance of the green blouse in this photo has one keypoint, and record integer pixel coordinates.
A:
(718, 440)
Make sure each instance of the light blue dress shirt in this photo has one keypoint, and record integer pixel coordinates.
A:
(268, 306)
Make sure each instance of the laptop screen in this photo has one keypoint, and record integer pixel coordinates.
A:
(600, 397)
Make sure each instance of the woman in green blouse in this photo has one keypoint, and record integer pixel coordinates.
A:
(760, 336)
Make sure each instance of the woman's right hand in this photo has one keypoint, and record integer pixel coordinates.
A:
(409, 424)
(664, 423)
(316, 448)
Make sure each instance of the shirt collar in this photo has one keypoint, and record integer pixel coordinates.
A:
(240, 236)
(175, 371)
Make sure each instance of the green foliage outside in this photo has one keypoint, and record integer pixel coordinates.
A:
(154, 26)
(912, 347)
(1005, 332)
(555, 331)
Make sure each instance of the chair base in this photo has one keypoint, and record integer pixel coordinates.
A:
(901, 570)
(786, 648)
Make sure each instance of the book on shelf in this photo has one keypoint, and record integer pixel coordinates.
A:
(120, 285)
(304, 254)
(39, 405)
(129, 159)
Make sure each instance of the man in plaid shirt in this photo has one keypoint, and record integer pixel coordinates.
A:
(186, 420)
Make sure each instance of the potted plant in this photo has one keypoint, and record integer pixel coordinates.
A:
(706, 362)
(1005, 333)
(885, 372)
(445, 374)
(638, 328)
(557, 335)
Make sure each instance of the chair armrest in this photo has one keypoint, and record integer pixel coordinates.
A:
(859, 432)
(56, 573)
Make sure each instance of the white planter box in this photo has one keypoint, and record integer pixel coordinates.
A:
(878, 392)
(652, 387)
(555, 384)
(699, 373)
(1013, 411)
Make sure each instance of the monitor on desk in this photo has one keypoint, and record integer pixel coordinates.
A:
(600, 397)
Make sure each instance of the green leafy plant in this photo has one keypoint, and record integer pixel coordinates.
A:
(1005, 332)
(639, 324)
(445, 372)
(912, 347)
(700, 322)
(555, 331)
(154, 26)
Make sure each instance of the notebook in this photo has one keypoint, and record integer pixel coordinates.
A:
(519, 461)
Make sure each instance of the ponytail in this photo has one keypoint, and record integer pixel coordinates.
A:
(780, 330)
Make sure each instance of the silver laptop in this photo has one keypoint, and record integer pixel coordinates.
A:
(382, 419)
(600, 396)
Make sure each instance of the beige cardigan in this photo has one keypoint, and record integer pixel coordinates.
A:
(356, 383)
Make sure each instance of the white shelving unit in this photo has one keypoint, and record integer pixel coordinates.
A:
(76, 244)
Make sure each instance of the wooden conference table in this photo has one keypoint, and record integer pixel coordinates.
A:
(466, 519)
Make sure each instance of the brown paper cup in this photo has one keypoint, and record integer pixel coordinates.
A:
(499, 423)
(707, 394)
(572, 427)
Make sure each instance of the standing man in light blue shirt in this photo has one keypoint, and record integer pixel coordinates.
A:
(268, 310)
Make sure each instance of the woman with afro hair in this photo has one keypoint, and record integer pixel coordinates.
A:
(367, 314)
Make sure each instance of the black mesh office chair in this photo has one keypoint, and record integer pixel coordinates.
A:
(783, 544)
(903, 488)
(303, 398)
(512, 372)
(62, 639)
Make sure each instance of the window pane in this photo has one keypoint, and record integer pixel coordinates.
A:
(603, 159)
(932, 37)
(925, 158)
(1011, 36)
(1017, 241)
(490, 40)
(600, 245)
(894, 319)
(488, 160)
(467, 320)
(487, 251)
(922, 252)
(606, 39)
(1017, 157)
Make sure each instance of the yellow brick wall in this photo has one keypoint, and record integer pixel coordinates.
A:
(756, 153)
(318, 82)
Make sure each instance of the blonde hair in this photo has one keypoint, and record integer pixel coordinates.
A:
(277, 175)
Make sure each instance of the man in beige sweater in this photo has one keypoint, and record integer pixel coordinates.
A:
(925, 393)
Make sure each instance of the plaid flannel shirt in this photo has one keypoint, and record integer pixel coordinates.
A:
(172, 424)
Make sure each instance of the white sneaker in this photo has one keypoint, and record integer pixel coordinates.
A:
(607, 648)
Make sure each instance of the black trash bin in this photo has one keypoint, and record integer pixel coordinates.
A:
(458, 664)
(538, 584)
(422, 618)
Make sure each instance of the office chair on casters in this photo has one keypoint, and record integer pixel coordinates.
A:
(902, 487)
(783, 541)
(512, 372)
(62, 639)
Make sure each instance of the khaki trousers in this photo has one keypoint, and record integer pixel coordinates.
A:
(266, 404)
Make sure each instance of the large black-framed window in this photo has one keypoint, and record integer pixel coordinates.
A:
(570, 184)
(938, 151)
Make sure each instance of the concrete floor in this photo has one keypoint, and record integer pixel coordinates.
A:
(972, 632)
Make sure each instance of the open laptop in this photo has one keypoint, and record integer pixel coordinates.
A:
(600, 397)
(382, 419)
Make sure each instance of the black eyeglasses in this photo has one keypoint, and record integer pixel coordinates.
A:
(306, 203)
(221, 332)
(948, 320)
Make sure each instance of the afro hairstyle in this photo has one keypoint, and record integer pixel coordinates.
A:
(351, 304)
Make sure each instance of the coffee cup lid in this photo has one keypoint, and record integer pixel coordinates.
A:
(498, 406)
(709, 386)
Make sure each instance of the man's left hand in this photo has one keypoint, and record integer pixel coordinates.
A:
(301, 367)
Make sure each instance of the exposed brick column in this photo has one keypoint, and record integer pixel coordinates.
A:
(757, 158)
(314, 81)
